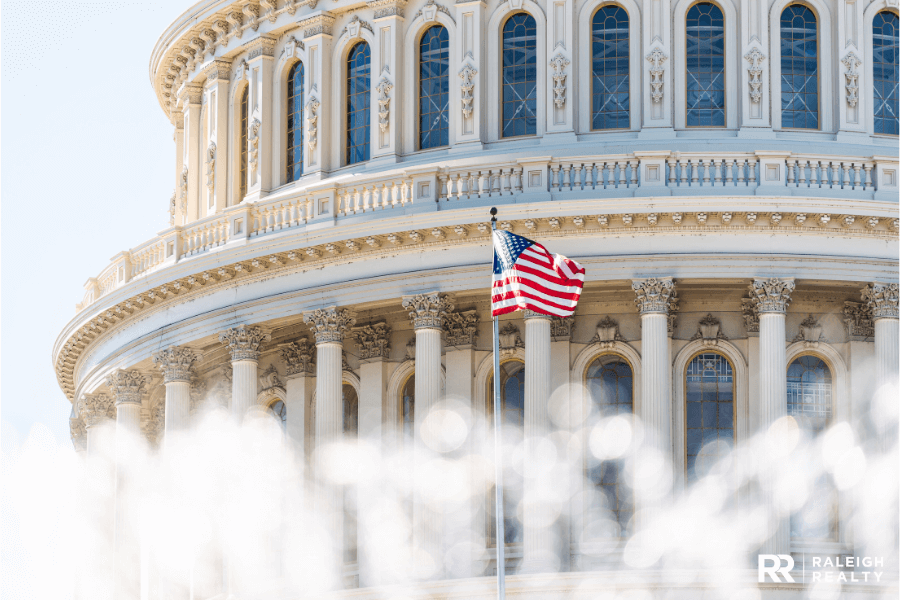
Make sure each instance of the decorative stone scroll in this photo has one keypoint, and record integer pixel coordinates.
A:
(561, 328)
(656, 57)
(299, 356)
(243, 341)
(559, 63)
(374, 340)
(269, 379)
(654, 295)
(607, 334)
(751, 317)
(858, 320)
(127, 386)
(211, 166)
(154, 426)
(96, 408)
(509, 339)
(354, 26)
(253, 149)
(467, 74)
(771, 295)
(810, 332)
(330, 324)
(430, 10)
(461, 328)
(709, 331)
(882, 300)
(852, 62)
(312, 123)
(175, 363)
(755, 57)
(427, 311)
(384, 103)
(387, 8)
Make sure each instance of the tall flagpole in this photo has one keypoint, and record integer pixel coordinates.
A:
(498, 446)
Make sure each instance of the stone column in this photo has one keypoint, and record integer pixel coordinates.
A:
(882, 300)
(538, 542)
(329, 326)
(427, 312)
(215, 160)
(190, 174)
(243, 342)
(259, 106)
(175, 364)
(127, 388)
(560, 361)
(770, 298)
(300, 378)
(95, 410)
(652, 487)
(317, 112)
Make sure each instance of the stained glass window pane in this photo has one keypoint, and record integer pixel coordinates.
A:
(434, 88)
(610, 383)
(519, 77)
(705, 61)
(609, 69)
(512, 410)
(245, 133)
(885, 50)
(295, 123)
(358, 97)
(799, 68)
(709, 413)
(408, 407)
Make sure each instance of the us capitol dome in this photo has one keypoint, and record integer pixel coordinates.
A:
(726, 172)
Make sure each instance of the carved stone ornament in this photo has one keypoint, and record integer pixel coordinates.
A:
(154, 426)
(374, 340)
(175, 363)
(269, 379)
(211, 166)
(653, 295)
(78, 433)
(384, 103)
(852, 62)
(710, 331)
(291, 47)
(387, 8)
(561, 328)
(427, 311)
(251, 11)
(755, 57)
(243, 341)
(411, 349)
(330, 324)
(771, 295)
(197, 393)
(656, 58)
(510, 339)
(96, 408)
(467, 74)
(751, 317)
(607, 334)
(317, 25)
(882, 300)
(184, 186)
(345, 366)
(559, 63)
(858, 320)
(299, 356)
(172, 209)
(461, 328)
(253, 148)
(354, 26)
(126, 386)
(430, 10)
(312, 123)
(810, 332)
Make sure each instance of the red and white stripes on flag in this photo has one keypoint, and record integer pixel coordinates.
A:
(527, 276)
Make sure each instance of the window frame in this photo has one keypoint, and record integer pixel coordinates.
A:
(288, 170)
(725, 59)
(538, 129)
(820, 68)
(243, 142)
(345, 100)
(734, 403)
(872, 11)
(590, 69)
(417, 141)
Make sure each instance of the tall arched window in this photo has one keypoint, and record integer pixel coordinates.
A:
(709, 435)
(279, 411)
(512, 411)
(434, 88)
(705, 62)
(610, 382)
(519, 76)
(799, 68)
(351, 430)
(358, 97)
(809, 401)
(295, 122)
(885, 69)
(245, 133)
(408, 407)
(609, 69)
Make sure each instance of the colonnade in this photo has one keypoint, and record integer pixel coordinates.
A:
(435, 323)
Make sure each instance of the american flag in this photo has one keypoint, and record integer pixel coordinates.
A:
(527, 276)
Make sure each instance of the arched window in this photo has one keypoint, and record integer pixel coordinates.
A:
(358, 97)
(279, 411)
(245, 133)
(512, 411)
(408, 407)
(705, 62)
(351, 430)
(799, 68)
(809, 401)
(434, 88)
(519, 76)
(610, 382)
(885, 66)
(609, 69)
(709, 435)
(295, 122)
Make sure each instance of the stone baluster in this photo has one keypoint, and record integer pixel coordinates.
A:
(243, 343)
(175, 364)
(427, 312)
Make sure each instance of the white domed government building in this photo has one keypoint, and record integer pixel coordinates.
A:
(725, 171)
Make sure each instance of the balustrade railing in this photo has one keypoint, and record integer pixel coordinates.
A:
(615, 175)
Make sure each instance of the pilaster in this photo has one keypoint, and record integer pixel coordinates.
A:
(755, 88)
(189, 192)
(387, 62)
(470, 123)
(260, 62)
(560, 85)
(852, 56)
(657, 68)
(215, 159)
(317, 36)
(300, 380)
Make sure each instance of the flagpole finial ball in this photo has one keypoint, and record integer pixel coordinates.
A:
(494, 213)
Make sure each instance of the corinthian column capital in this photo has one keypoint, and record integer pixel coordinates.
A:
(374, 340)
(96, 408)
(427, 311)
(330, 324)
(175, 363)
(771, 295)
(243, 341)
(654, 295)
(882, 299)
(127, 386)
(298, 357)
